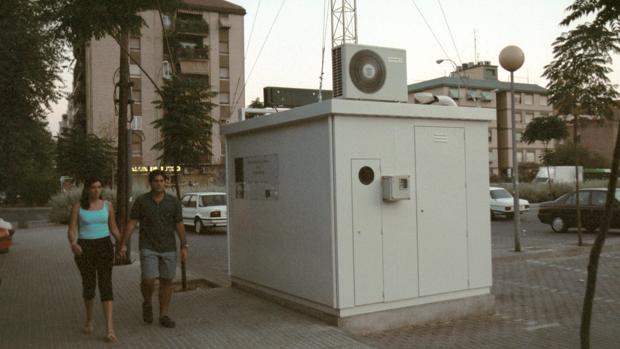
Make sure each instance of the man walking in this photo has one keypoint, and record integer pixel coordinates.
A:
(160, 215)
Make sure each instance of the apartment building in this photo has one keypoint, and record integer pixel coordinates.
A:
(206, 40)
(477, 85)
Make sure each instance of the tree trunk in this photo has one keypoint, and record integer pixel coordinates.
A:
(595, 253)
(122, 195)
(548, 173)
(577, 204)
(176, 181)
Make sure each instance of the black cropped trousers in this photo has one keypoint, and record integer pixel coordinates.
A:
(95, 265)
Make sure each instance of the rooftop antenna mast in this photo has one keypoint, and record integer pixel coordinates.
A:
(344, 22)
(344, 29)
(475, 48)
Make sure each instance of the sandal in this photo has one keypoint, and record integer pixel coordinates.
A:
(88, 329)
(166, 321)
(110, 338)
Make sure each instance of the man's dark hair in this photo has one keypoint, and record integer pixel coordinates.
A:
(156, 173)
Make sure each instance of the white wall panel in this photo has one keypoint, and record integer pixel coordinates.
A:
(286, 244)
(442, 209)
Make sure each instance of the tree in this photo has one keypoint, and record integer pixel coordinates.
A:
(80, 21)
(83, 156)
(564, 155)
(545, 130)
(29, 68)
(256, 103)
(578, 82)
(186, 124)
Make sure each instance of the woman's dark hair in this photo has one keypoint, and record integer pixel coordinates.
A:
(156, 173)
(84, 203)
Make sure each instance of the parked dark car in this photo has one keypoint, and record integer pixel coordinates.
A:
(561, 213)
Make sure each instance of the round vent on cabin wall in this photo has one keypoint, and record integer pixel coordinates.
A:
(367, 71)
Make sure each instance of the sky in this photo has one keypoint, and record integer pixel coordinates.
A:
(285, 50)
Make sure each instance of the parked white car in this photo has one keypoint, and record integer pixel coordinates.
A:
(204, 210)
(502, 203)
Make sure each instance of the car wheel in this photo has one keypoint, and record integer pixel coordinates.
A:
(492, 216)
(198, 226)
(591, 228)
(509, 216)
(559, 225)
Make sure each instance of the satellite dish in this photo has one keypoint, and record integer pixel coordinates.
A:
(367, 71)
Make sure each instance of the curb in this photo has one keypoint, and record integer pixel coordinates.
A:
(553, 252)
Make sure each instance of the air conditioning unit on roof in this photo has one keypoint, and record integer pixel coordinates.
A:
(369, 73)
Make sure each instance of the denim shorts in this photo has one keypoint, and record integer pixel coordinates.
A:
(161, 265)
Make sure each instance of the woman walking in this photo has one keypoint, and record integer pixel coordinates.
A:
(91, 223)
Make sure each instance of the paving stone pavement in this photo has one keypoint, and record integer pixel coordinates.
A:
(538, 303)
(41, 307)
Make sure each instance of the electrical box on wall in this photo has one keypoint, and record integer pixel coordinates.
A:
(395, 188)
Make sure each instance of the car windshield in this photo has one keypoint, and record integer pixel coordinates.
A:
(500, 194)
(213, 200)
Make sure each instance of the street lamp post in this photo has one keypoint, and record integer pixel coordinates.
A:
(511, 58)
(456, 71)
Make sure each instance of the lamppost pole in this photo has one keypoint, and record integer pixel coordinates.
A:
(456, 71)
(511, 58)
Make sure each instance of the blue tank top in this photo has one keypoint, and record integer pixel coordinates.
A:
(94, 224)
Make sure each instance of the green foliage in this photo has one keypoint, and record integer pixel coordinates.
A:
(29, 61)
(27, 171)
(81, 20)
(82, 156)
(191, 25)
(578, 74)
(61, 203)
(564, 155)
(545, 129)
(256, 103)
(539, 192)
(186, 125)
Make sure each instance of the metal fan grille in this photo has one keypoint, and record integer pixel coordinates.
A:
(337, 71)
(367, 71)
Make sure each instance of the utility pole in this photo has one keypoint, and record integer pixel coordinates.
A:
(344, 22)
(122, 173)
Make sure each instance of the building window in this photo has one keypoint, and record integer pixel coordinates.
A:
(136, 96)
(223, 47)
(136, 145)
(136, 122)
(224, 98)
(528, 99)
(542, 100)
(517, 98)
(224, 73)
(530, 156)
(490, 136)
(519, 135)
(519, 117)
(529, 117)
(134, 70)
(134, 43)
(519, 156)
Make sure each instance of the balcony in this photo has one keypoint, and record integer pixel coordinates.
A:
(194, 26)
(193, 67)
(192, 52)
